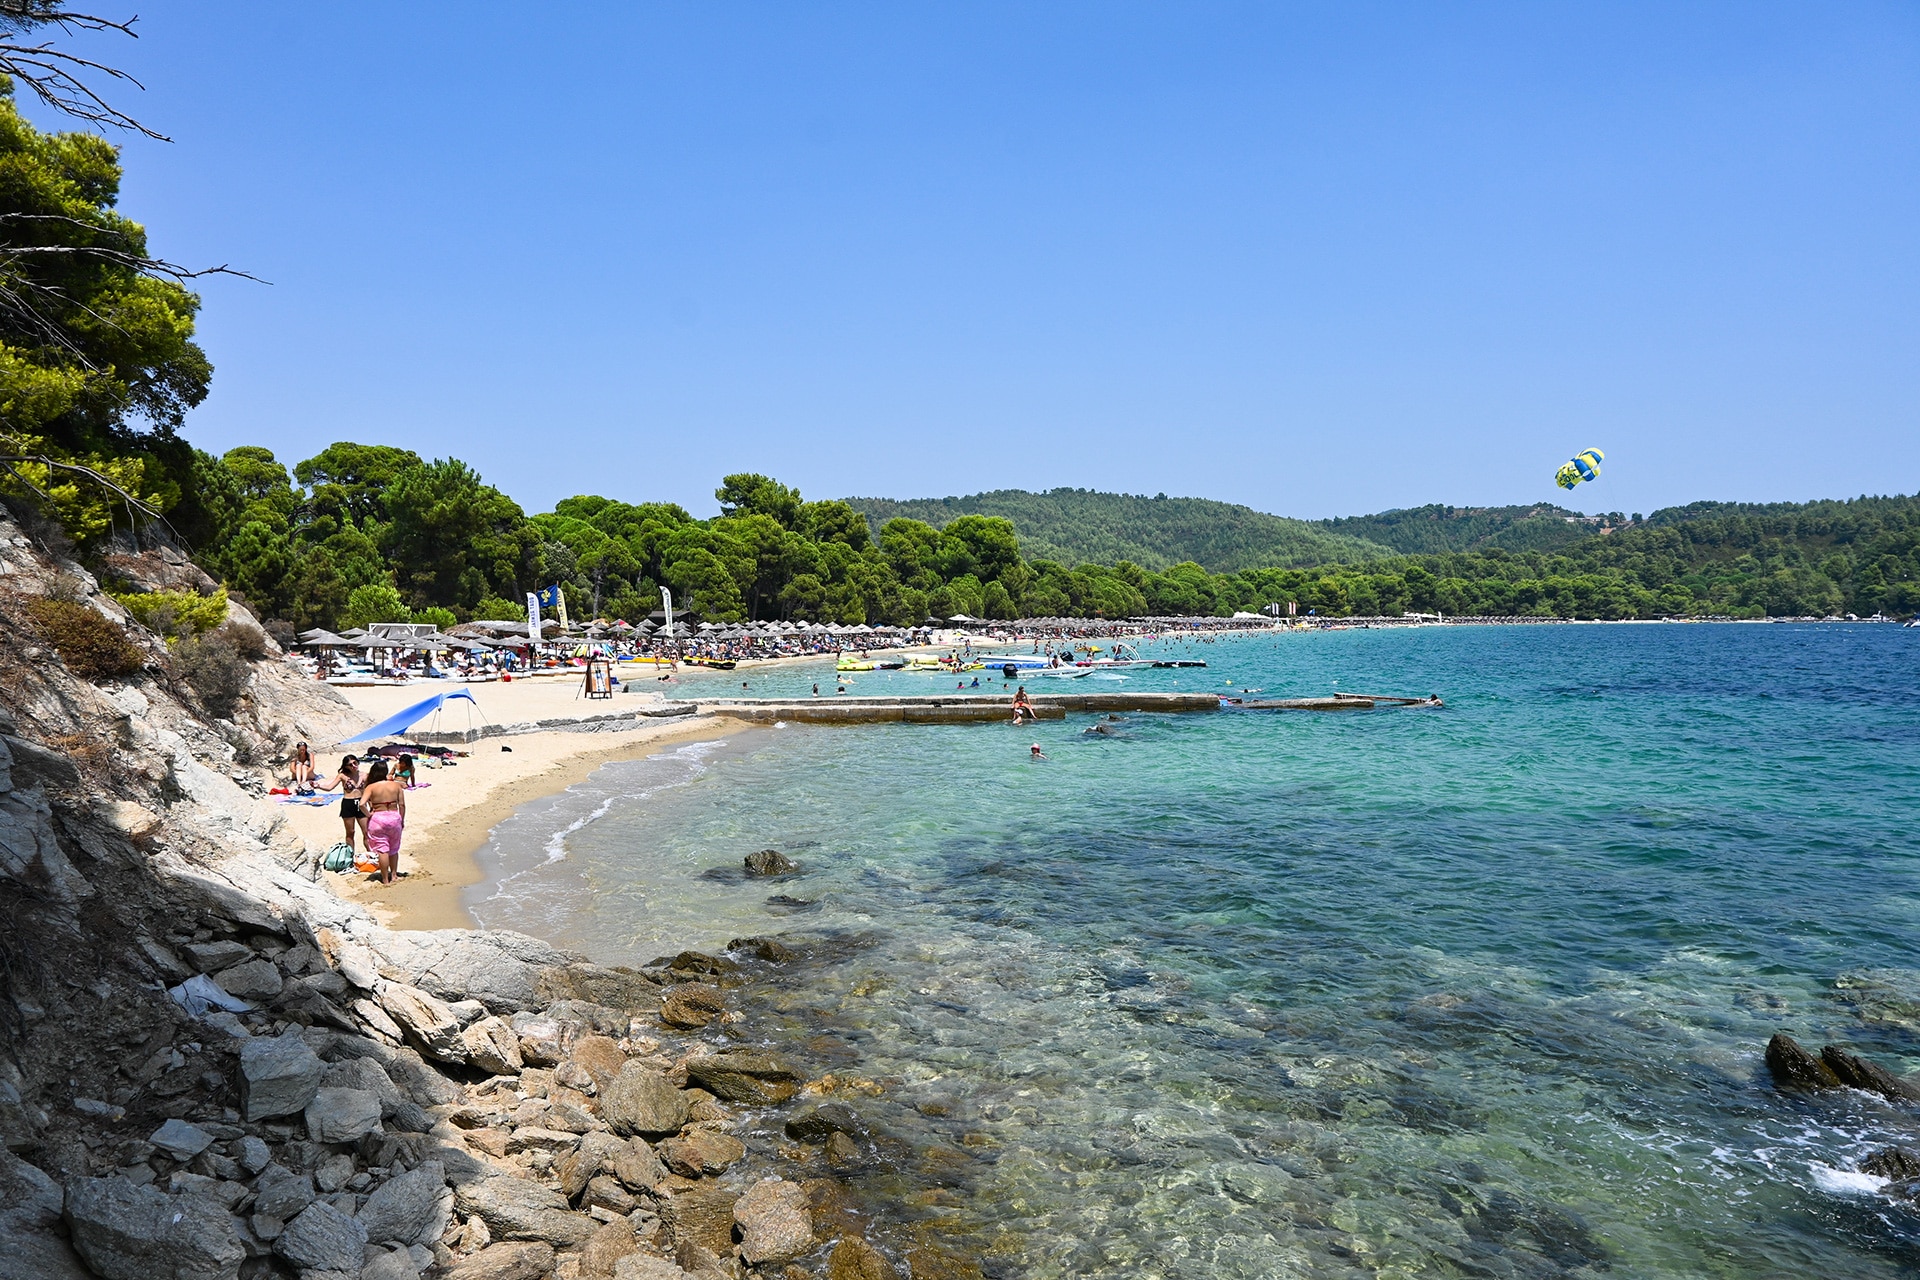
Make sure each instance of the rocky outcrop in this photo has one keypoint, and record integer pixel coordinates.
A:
(128, 1232)
(642, 1102)
(1793, 1067)
(278, 1075)
(775, 1222)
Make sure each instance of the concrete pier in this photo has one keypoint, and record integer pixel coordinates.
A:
(954, 709)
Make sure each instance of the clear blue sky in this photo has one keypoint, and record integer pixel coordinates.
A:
(1318, 259)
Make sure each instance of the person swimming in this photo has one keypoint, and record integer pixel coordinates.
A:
(1037, 753)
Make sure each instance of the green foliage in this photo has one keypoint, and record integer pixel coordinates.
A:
(1080, 526)
(499, 609)
(440, 618)
(176, 614)
(93, 646)
(1433, 529)
(375, 602)
(97, 362)
(215, 669)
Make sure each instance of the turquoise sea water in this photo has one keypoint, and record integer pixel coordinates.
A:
(1479, 991)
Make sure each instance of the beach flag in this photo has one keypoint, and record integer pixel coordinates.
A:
(533, 616)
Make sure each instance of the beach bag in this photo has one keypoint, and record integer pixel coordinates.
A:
(339, 858)
(365, 863)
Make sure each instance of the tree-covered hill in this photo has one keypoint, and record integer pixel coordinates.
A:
(1082, 526)
(1434, 529)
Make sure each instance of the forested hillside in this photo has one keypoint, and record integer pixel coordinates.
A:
(1082, 526)
(1435, 528)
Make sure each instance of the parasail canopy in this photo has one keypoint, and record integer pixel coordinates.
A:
(1585, 466)
(401, 721)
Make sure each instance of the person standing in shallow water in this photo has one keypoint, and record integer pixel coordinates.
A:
(385, 800)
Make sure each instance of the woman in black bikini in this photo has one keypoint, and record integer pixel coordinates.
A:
(351, 812)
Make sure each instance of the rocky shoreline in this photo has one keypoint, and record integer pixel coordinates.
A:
(370, 1103)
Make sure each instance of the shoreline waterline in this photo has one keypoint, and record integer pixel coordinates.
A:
(441, 857)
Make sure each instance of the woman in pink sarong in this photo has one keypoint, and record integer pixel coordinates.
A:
(385, 801)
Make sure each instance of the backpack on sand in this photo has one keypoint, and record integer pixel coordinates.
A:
(338, 858)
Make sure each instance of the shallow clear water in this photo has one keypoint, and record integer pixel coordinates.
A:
(1475, 991)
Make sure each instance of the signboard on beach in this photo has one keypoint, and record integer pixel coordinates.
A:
(533, 617)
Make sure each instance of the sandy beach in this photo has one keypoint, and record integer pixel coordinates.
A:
(448, 818)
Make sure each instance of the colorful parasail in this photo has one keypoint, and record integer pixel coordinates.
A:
(1585, 466)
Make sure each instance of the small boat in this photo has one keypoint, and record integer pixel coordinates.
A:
(1058, 673)
(717, 664)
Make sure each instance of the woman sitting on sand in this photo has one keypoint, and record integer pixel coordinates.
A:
(403, 774)
(385, 800)
(302, 768)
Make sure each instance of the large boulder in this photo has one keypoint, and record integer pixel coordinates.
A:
(343, 1115)
(702, 1216)
(491, 1045)
(278, 1075)
(30, 1205)
(364, 1074)
(497, 967)
(641, 1101)
(281, 1193)
(516, 1209)
(748, 1075)
(521, 1260)
(124, 1232)
(323, 1239)
(426, 1021)
(599, 1057)
(702, 1153)
(413, 1208)
(775, 1223)
(637, 1166)
(253, 980)
(691, 1005)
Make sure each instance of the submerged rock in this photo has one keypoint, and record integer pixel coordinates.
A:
(749, 1076)
(825, 1120)
(767, 949)
(854, 1259)
(702, 1216)
(771, 862)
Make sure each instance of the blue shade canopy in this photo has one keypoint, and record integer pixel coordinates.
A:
(401, 721)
